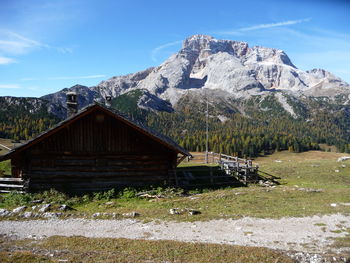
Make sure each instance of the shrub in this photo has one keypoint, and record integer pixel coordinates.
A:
(128, 193)
(16, 199)
(52, 196)
(86, 198)
(108, 195)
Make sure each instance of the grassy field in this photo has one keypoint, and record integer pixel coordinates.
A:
(81, 249)
(310, 183)
(5, 142)
(328, 180)
(5, 167)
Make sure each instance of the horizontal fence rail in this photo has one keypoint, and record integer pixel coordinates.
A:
(229, 167)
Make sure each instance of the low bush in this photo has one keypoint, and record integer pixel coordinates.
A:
(15, 199)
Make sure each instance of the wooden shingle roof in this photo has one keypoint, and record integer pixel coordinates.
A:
(166, 141)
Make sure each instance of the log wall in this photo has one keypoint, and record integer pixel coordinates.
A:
(95, 153)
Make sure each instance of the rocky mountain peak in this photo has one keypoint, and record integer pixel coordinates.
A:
(204, 46)
(230, 68)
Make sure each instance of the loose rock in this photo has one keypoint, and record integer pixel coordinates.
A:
(19, 209)
(39, 201)
(194, 212)
(96, 214)
(4, 212)
(65, 208)
(44, 208)
(132, 214)
(51, 215)
(27, 214)
(174, 211)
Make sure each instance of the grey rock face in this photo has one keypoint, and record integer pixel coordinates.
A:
(205, 63)
(59, 99)
(232, 66)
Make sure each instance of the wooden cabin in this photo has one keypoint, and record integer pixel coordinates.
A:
(96, 149)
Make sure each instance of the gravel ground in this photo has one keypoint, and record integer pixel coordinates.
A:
(308, 234)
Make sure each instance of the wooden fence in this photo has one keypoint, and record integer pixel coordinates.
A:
(240, 169)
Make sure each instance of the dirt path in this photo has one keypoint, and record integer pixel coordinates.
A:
(308, 234)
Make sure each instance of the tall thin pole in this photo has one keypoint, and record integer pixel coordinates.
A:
(207, 130)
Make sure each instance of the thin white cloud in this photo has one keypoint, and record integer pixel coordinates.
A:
(78, 77)
(66, 77)
(285, 23)
(156, 50)
(263, 26)
(5, 60)
(9, 86)
(24, 39)
(15, 44)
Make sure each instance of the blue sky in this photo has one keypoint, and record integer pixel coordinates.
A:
(48, 45)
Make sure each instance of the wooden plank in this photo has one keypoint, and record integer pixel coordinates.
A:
(101, 169)
(3, 179)
(9, 191)
(91, 173)
(11, 186)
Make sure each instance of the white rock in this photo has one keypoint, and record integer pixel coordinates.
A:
(19, 209)
(64, 208)
(44, 208)
(132, 214)
(343, 158)
(174, 211)
(96, 214)
(4, 212)
(27, 214)
(51, 215)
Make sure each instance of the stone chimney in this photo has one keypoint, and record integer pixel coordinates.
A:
(72, 103)
(108, 100)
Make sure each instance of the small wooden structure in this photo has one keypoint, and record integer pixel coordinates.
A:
(242, 169)
(233, 170)
(96, 149)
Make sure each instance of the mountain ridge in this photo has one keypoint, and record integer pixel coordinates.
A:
(205, 63)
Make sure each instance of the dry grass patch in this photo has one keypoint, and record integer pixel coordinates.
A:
(81, 249)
